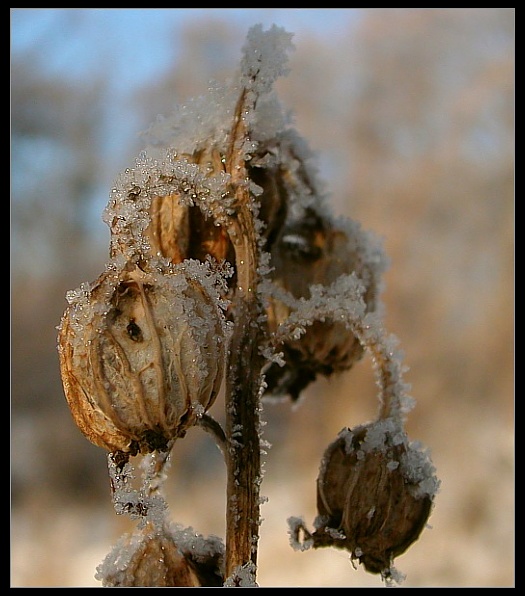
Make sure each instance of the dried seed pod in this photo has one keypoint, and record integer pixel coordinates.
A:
(374, 494)
(312, 251)
(150, 558)
(141, 355)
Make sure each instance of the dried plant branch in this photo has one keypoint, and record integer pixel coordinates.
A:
(227, 270)
(243, 383)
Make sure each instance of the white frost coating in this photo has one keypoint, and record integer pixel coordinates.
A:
(118, 559)
(128, 211)
(264, 57)
(394, 577)
(140, 504)
(202, 548)
(296, 527)
(367, 244)
(190, 127)
(382, 433)
(207, 120)
(243, 577)
(417, 468)
(342, 301)
(268, 123)
(115, 568)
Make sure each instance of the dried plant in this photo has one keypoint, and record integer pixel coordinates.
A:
(227, 269)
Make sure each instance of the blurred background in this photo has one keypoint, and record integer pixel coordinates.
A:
(411, 113)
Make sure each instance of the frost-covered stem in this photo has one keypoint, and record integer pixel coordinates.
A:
(394, 402)
(155, 466)
(388, 370)
(243, 453)
(244, 371)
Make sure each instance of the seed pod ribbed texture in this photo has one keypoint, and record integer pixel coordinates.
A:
(142, 355)
(366, 493)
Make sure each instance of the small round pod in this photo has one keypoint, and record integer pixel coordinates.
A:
(155, 558)
(374, 494)
(315, 250)
(142, 355)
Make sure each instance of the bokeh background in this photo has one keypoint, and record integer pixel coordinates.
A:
(411, 113)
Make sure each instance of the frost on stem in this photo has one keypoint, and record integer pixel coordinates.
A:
(243, 576)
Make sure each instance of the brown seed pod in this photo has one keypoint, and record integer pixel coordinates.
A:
(150, 558)
(312, 251)
(141, 355)
(371, 495)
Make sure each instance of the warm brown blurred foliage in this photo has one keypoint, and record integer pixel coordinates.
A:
(412, 114)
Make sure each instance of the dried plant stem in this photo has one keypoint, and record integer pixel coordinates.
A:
(244, 371)
(388, 372)
(243, 452)
(211, 426)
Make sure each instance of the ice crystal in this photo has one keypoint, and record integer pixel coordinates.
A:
(298, 540)
(243, 576)
(419, 470)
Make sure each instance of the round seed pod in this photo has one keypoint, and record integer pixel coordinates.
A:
(311, 251)
(142, 355)
(374, 495)
(150, 558)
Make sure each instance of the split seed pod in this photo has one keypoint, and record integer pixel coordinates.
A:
(179, 231)
(371, 496)
(316, 251)
(142, 355)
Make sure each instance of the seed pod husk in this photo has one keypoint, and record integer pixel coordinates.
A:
(150, 558)
(169, 231)
(142, 355)
(369, 501)
(312, 251)
(180, 231)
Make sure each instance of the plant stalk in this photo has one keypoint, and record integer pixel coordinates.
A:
(243, 459)
(243, 450)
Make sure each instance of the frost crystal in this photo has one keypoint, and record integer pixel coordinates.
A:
(265, 56)
(299, 539)
(242, 577)
(419, 470)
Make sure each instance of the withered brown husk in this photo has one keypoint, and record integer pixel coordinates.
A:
(179, 231)
(311, 251)
(169, 230)
(367, 503)
(141, 356)
(153, 559)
